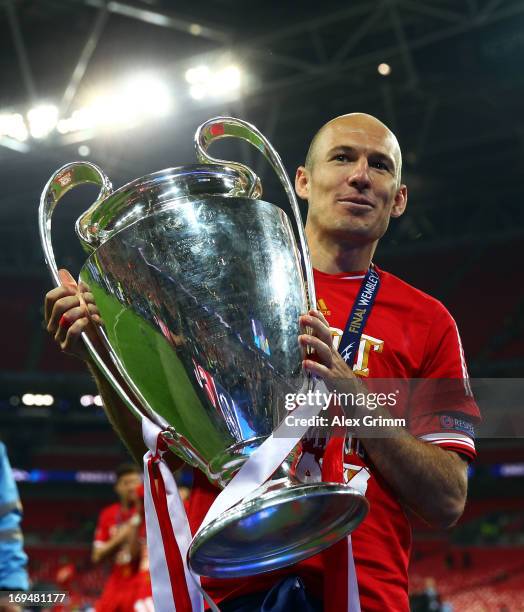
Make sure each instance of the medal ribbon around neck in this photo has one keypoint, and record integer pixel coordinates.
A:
(359, 315)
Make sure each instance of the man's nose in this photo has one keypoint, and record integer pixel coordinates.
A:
(359, 177)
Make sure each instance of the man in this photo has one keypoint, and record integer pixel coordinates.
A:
(352, 182)
(120, 536)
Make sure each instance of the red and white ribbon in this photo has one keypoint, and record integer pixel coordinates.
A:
(168, 532)
(340, 582)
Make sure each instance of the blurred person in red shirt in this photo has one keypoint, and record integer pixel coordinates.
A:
(120, 536)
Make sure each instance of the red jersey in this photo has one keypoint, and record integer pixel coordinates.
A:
(129, 585)
(408, 335)
(109, 522)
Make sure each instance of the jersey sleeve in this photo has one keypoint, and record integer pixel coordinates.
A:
(442, 407)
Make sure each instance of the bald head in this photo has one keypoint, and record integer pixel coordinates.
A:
(358, 123)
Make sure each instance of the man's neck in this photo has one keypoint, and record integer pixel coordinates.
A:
(332, 257)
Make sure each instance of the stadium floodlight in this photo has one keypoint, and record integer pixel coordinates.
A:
(81, 119)
(86, 400)
(110, 111)
(97, 400)
(195, 29)
(384, 69)
(198, 75)
(197, 92)
(40, 399)
(13, 125)
(141, 96)
(146, 94)
(227, 79)
(37, 399)
(42, 120)
(207, 83)
(28, 399)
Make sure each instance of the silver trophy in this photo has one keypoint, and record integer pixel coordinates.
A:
(200, 285)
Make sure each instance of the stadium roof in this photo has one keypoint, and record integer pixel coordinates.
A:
(453, 95)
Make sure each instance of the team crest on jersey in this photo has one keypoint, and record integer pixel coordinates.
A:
(322, 306)
(367, 346)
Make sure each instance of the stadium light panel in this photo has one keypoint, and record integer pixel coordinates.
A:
(86, 400)
(146, 94)
(207, 83)
(197, 92)
(13, 125)
(37, 399)
(141, 96)
(42, 120)
(110, 111)
(81, 119)
(197, 75)
(227, 79)
(195, 29)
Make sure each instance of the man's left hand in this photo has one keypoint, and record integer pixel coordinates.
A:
(328, 364)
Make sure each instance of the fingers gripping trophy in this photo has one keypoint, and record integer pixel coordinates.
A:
(200, 284)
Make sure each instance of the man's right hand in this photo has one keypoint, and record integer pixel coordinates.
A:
(66, 315)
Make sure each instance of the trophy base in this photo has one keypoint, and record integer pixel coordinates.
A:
(281, 526)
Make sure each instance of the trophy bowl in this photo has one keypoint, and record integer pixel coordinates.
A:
(200, 285)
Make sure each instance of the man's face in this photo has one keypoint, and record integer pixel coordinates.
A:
(127, 488)
(352, 184)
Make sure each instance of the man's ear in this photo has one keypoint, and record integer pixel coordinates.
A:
(400, 202)
(302, 183)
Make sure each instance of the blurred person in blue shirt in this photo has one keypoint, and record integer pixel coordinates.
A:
(13, 560)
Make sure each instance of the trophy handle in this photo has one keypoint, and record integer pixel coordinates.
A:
(59, 184)
(64, 179)
(225, 127)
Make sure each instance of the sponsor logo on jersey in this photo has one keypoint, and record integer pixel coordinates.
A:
(322, 306)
